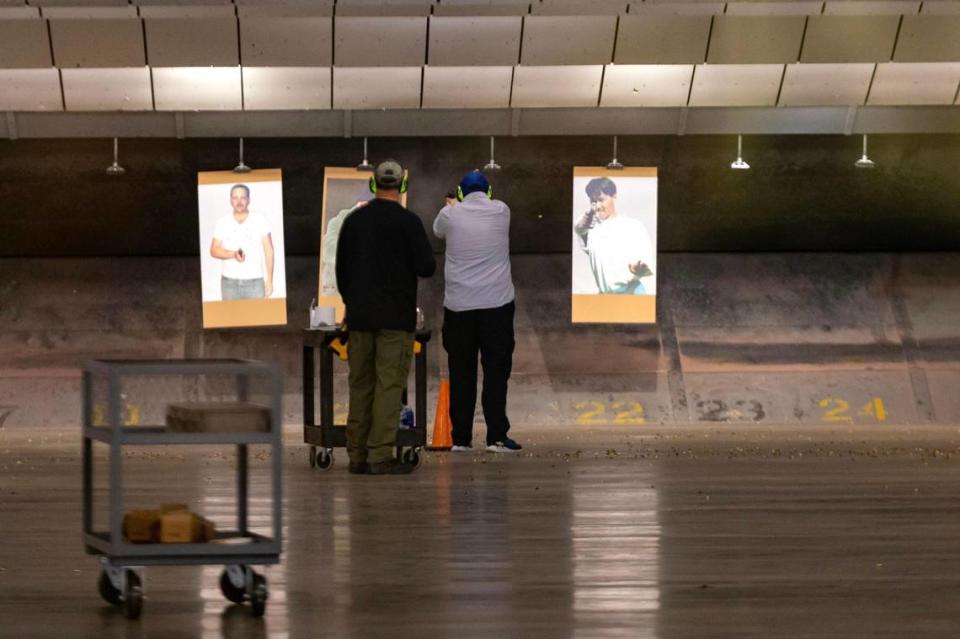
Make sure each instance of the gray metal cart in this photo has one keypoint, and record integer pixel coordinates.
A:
(120, 580)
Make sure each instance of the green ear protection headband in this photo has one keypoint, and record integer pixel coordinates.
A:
(403, 184)
(460, 195)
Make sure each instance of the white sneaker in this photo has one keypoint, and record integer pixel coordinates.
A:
(462, 449)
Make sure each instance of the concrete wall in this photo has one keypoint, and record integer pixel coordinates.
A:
(803, 192)
(769, 338)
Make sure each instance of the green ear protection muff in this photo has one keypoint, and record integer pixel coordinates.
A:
(460, 195)
(403, 184)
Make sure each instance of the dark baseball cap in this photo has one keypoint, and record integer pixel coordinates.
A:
(474, 181)
(389, 174)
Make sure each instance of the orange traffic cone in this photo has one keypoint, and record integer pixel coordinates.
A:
(442, 430)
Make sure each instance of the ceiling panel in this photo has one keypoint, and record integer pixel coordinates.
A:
(556, 86)
(943, 7)
(284, 7)
(826, 84)
(24, 44)
(849, 39)
(782, 8)
(321, 5)
(188, 4)
(19, 12)
(919, 83)
(671, 7)
(286, 41)
(579, 7)
(188, 9)
(74, 3)
(126, 89)
(488, 41)
(376, 88)
(662, 39)
(30, 90)
(380, 42)
(467, 87)
(871, 7)
(197, 89)
(186, 42)
(98, 43)
(383, 7)
(286, 88)
(736, 85)
(295, 10)
(928, 39)
(568, 40)
(646, 85)
(481, 8)
(755, 40)
(94, 13)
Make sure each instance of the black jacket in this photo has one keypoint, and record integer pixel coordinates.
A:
(381, 250)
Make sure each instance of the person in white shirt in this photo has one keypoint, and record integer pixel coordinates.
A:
(618, 246)
(478, 310)
(243, 241)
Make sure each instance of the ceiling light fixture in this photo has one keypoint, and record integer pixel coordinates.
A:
(365, 165)
(615, 164)
(115, 169)
(739, 164)
(864, 162)
(241, 168)
(492, 164)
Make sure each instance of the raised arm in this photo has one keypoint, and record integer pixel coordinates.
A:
(342, 266)
(583, 226)
(440, 224)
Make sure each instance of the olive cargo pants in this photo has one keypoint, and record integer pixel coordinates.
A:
(379, 364)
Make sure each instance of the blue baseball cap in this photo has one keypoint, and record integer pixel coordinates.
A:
(474, 181)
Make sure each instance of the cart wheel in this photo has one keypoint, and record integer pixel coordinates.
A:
(133, 596)
(258, 595)
(231, 592)
(109, 594)
(324, 459)
(313, 456)
(412, 456)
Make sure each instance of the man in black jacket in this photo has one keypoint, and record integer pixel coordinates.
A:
(382, 250)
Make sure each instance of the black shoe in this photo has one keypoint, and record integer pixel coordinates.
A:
(358, 468)
(505, 445)
(390, 467)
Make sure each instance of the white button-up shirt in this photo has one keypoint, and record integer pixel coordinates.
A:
(477, 268)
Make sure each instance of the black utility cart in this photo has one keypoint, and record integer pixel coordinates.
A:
(326, 435)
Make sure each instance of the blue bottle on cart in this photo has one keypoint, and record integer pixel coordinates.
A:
(406, 418)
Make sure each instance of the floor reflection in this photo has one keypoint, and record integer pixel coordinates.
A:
(548, 545)
(615, 536)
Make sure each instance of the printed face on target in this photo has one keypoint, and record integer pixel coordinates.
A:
(239, 199)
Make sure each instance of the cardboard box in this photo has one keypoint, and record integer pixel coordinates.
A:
(185, 527)
(169, 508)
(218, 417)
(209, 530)
(142, 526)
(180, 527)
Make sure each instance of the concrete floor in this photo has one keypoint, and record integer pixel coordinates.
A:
(701, 532)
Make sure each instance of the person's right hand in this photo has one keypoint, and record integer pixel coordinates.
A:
(587, 221)
(239, 255)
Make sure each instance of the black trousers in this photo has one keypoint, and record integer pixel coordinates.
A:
(488, 331)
